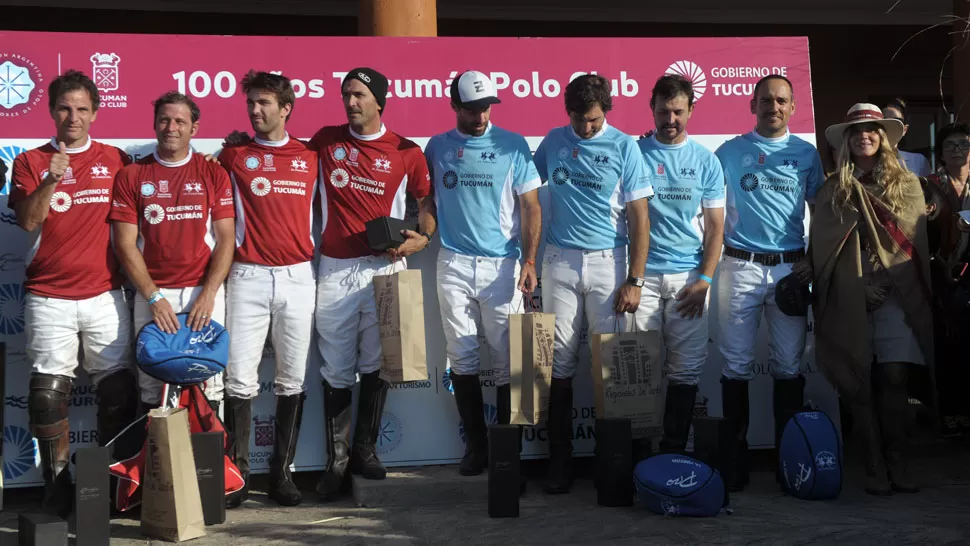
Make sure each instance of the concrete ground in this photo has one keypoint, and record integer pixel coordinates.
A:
(435, 506)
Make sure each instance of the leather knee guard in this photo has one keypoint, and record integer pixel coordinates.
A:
(47, 405)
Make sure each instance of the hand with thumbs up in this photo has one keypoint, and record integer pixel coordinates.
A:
(59, 163)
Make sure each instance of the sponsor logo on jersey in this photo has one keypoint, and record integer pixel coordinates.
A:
(694, 73)
(268, 163)
(154, 214)
(450, 179)
(601, 160)
(340, 153)
(163, 189)
(449, 156)
(299, 165)
(487, 157)
(560, 175)
(261, 186)
(789, 163)
(60, 202)
(20, 89)
(100, 171)
(339, 178)
(192, 188)
(354, 152)
(563, 153)
(749, 182)
(661, 169)
(252, 163)
(461, 152)
(575, 153)
(761, 158)
(382, 164)
(747, 160)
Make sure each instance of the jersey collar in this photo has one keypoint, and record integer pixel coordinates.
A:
(757, 136)
(469, 137)
(164, 163)
(598, 134)
(375, 136)
(86, 147)
(670, 146)
(273, 143)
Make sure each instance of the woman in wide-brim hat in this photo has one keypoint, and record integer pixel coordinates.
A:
(870, 217)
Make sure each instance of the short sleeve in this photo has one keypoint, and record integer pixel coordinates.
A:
(816, 177)
(539, 160)
(713, 184)
(525, 176)
(429, 154)
(23, 181)
(124, 205)
(227, 157)
(222, 204)
(636, 184)
(419, 180)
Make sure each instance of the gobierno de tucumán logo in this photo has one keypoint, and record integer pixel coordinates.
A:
(22, 85)
(19, 450)
(692, 72)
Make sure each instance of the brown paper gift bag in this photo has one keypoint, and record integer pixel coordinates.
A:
(531, 338)
(400, 315)
(171, 507)
(627, 376)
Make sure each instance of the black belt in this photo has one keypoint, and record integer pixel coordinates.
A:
(789, 257)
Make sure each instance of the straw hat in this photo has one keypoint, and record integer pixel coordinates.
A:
(864, 112)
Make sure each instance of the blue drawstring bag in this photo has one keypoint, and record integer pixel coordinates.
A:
(183, 358)
(677, 485)
(810, 456)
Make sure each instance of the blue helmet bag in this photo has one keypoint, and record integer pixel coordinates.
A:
(678, 485)
(810, 456)
(183, 358)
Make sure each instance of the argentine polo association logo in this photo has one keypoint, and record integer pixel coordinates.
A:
(390, 435)
(11, 309)
(446, 381)
(61, 202)
(825, 460)
(16, 83)
(7, 154)
(260, 186)
(154, 214)
(19, 452)
(692, 72)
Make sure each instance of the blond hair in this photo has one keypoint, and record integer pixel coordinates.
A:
(888, 174)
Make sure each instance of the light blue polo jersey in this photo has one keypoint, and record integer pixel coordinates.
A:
(769, 180)
(477, 182)
(590, 182)
(686, 178)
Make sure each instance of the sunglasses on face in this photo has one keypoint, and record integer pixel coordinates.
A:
(961, 146)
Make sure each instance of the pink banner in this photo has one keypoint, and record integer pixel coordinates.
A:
(531, 74)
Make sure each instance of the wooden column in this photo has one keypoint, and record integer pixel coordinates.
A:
(398, 18)
(961, 61)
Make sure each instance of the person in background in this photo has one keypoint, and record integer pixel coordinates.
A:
(870, 219)
(916, 163)
(949, 236)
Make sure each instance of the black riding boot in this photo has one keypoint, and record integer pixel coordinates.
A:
(468, 398)
(239, 423)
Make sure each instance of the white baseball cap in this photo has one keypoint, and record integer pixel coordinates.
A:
(473, 90)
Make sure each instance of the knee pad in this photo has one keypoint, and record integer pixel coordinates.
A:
(47, 404)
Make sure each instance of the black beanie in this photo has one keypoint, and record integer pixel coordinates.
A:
(374, 80)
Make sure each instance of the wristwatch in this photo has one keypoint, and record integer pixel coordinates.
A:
(427, 236)
(636, 281)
